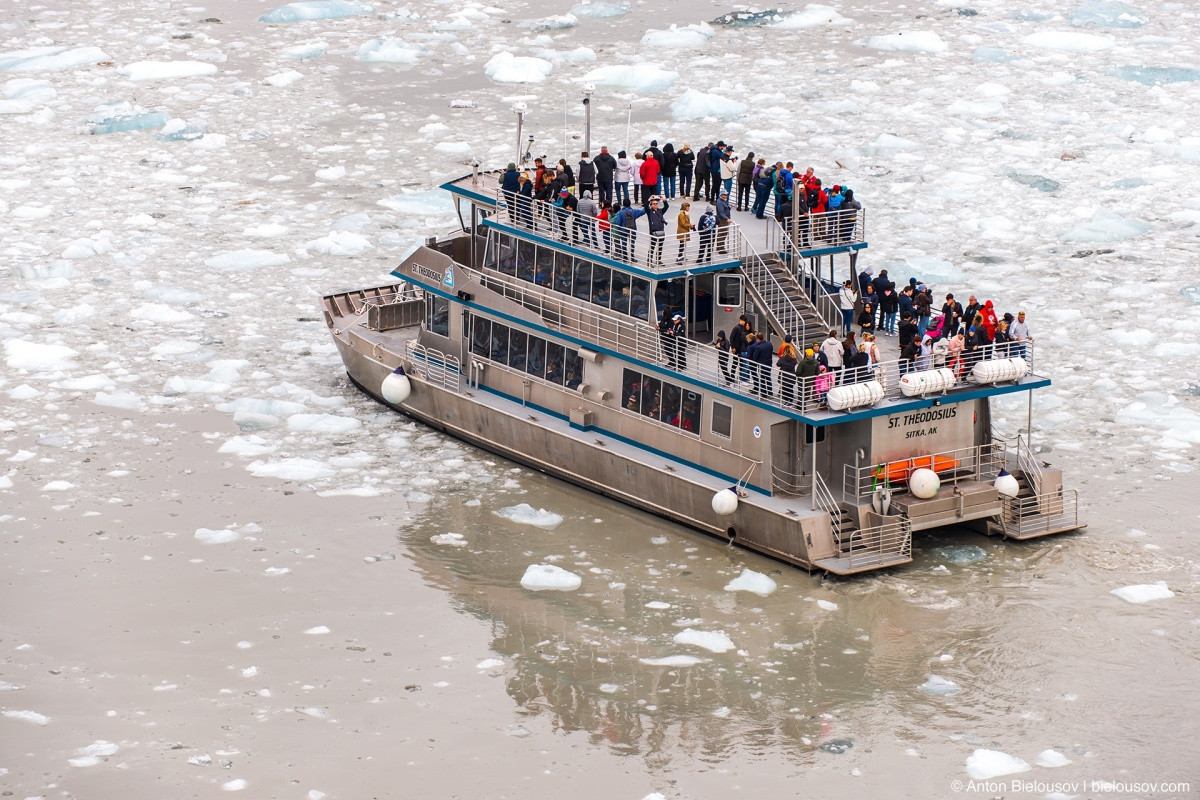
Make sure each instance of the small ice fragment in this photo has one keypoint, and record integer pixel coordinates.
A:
(525, 514)
(751, 581)
(1144, 592)
(209, 536)
(940, 686)
(84, 761)
(908, 42)
(235, 785)
(58, 486)
(489, 663)
(244, 645)
(827, 605)
(314, 10)
(291, 469)
(274, 572)
(28, 716)
(984, 764)
(317, 631)
(504, 67)
(313, 712)
(547, 577)
(1052, 758)
(164, 70)
(713, 641)
(673, 661)
(283, 79)
(658, 605)
(452, 539)
(314, 794)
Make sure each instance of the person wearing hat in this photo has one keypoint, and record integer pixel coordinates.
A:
(706, 226)
(716, 157)
(723, 348)
(510, 184)
(564, 205)
(678, 334)
(724, 218)
(806, 370)
(606, 170)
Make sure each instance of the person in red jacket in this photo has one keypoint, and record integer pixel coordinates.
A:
(990, 321)
(651, 169)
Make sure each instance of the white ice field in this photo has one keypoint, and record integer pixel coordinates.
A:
(179, 184)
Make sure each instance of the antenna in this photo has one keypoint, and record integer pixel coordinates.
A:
(520, 109)
(587, 116)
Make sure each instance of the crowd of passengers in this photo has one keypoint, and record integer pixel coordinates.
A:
(591, 204)
(955, 339)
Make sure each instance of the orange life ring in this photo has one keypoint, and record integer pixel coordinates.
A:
(899, 471)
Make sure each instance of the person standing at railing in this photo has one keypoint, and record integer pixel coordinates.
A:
(848, 216)
(603, 223)
(716, 157)
(745, 178)
(624, 175)
(678, 334)
(524, 201)
(702, 174)
(806, 372)
(687, 163)
(585, 220)
(670, 169)
(707, 228)
(666, 319)
(650, 171)
(922, 307)
(787, 363)
(656, 221)
(510, 184)
(832, 348)
(606, 170)
(638, 159)
(729, 169)
(724, 219)
(858, 366)
(822, 384)
(847, 300)
(954, 350)
(586, 174)
(764, 178)
(626, 230)
(952, 312)
(1001, 343)
(783, 185)
(1019, 331)
(723, 347)
(683, 228)
(972, 349)
(739, 342)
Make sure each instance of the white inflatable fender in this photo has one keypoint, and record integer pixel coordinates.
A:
(1006, 484)
(924, 483)
(396, 387)
(725, 502)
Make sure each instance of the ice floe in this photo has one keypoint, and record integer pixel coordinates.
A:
(548, 577)
(675, 37)
(713, 641)
(908, 42)
(291, 469)
(1144, 592)
(166, 70)
(938, 685)
(751, 581)
(1051, 759)
(525, 514)
(504, 67)
(210, 536)
(314, 10)
(985, 764)
(1068, 41)
(639, 79)
(694, 104)
(38, 357)
(673, 661)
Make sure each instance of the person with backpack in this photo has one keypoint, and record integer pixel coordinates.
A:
(707, 228)
(702, 173)
(783, 185)
(787, 363)
(763, 179)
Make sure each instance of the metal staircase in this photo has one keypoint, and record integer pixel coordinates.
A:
(773, 285)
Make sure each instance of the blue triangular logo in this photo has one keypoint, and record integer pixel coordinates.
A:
(449, 279)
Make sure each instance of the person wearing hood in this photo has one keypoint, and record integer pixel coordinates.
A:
(990, 322)
(864, 280)
(525, 201)
(606, 169)
(585, 175)
(806, 371)
(787, 363)
(510, 184)
(670, 169)
(624, 175)
(723, 348)
(687, 162)
(653, 148)
(745, 178)
(585, 219)
(625, 230)
(729, 170)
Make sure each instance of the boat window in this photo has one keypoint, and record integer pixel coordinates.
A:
(631, 391)
(518, 342)
(574, 370)
(601, 278)
(652, 398)
(499, 343)
(562, 271)
(639, 298)
(729, 290)
(671, 397)
(554, 363)
(481, 333)
(689, 415)
(525, 261)
(507, 254)
(545, 266)
(808, 434)
(535, 364)
(722, 420)
(437, 314)
(620, 292)
(662, 401)
(583, 279)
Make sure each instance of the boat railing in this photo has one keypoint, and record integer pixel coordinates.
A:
(823, 499)
(789, 483)
(867, 547)
(1028, 464)
(1023, 517)
(632, 246)
(977, 463)
(437, 368)
(773, 294)
(780, 241)
(829, 229)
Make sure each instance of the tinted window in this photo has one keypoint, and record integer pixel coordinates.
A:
(729, 290)
(481, 332)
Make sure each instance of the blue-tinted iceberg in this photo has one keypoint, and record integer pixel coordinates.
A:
(178, 130)
(1106, 226)
(314, 9)
(121, 116)
(1154, 75)
(1107, 14)
(600, 10)
(46, 59)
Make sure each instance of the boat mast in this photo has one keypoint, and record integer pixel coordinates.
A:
(587, 118)
(520, 108)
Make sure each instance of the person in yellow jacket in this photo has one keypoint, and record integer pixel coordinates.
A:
(683, 229)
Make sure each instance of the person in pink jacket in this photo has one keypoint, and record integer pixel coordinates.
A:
(823, 383)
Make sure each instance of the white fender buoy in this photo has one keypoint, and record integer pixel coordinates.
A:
(1006, 484)
(725, 502)
(924, 483)
(396, 387)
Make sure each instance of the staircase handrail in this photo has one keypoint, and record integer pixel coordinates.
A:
(772, 293)
(822, 302)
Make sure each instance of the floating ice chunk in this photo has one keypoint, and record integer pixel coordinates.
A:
(160, 312)
(317, 631)
(974, 108)
(97, 749)
(639, 79)
(452, 147)
(315, 794)
(961, 553)
(322, 423)
(210, 536)
(248, 446)
(38, 357)
(452, 539)
(659, 605)
(827, 605)
(331, 173)
(23, 392)
(556, 22)
(1038, 182)
(340, 243)
(1107, 226)
(811, 16)
(391, 51)
(1106, 14)
(305, 52)
(1052, 758)
(940, 686)
(985, 764)
(179, 130)
(258, 405)
(283, 79)
(908, 42)
(123, 400)
(1144, 592)
(694, 104)
(490, 663)
(166, 70)
(24, 94)
(291, 469)
(991, 55)
(1152, 76)
(689, 37)
(525, 514)
(314, 9)
(84, 761)
(751, 581)
(176, 386)
(28, 716)
(265, 231)
(504, 67)
(235, 785)
(246, 260)
(1068, 41)
(47, 59)
(548, 577)
(599, 10)
(713, 641)
(32, 212)
(85, 383)
(58, 486)
(419, 204)
(673, 661)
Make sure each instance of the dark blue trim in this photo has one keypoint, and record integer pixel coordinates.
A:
(600, 258)
(836, 418)
(470, 194)
(726, 479)
(824, 251)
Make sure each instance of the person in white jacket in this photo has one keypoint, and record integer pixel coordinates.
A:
(847, 299)
(624, 175)
(729, 169)
(636, 177)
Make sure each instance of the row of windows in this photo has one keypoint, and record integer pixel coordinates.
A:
(661, 400)
(515, 348)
